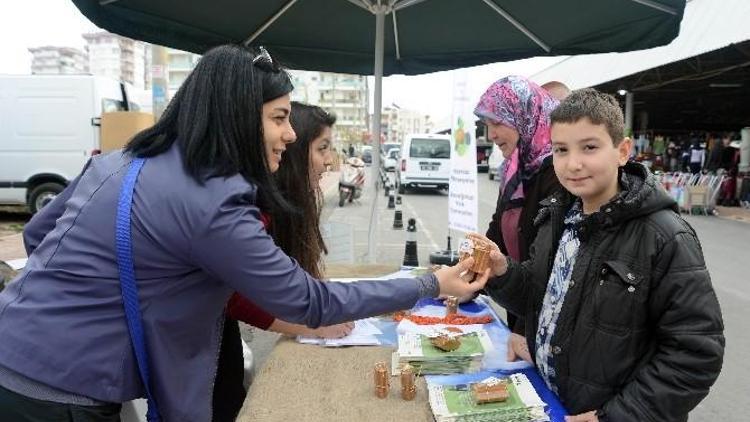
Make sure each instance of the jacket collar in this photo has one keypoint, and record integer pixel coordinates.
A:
(640, 195)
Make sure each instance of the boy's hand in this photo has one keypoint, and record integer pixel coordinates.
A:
(518, 348)
(453, 280)
(583, 417)
(498, 262)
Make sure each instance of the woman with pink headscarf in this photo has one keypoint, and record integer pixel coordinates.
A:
(516, 112)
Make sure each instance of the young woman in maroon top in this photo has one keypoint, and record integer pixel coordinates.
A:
(298, 235)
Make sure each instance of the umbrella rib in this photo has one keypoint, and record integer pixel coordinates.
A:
(395, 36)
(406, 3)
(360, 4)
(269, 22)
(518, 25)
(657, 6)
(106, 2)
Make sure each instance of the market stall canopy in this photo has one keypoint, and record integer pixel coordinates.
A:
(701, 81)
(708, 25)
(420, 36)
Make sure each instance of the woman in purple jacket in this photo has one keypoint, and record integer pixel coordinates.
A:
(195, 237)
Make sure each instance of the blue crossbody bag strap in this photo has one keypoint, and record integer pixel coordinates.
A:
(127, 282)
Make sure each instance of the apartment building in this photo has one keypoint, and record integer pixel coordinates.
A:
(51, 60)
(119, 58)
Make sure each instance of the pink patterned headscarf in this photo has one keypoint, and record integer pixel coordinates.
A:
(516, 102)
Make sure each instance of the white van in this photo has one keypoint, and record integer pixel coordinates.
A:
(49, 128)
(425, 162)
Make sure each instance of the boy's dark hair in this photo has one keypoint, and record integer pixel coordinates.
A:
(216, 120)
(299, 235)
(598, 107)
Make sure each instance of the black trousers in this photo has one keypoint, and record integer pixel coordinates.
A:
(229, 392)
(15, 407)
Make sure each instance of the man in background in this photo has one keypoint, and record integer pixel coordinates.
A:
(557, 89)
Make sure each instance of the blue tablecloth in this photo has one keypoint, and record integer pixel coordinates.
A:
(499, 333)
(496, 364)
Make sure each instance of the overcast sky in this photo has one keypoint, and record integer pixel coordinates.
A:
(58, 22)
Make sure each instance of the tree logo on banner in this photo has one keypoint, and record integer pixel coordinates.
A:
(462, 138)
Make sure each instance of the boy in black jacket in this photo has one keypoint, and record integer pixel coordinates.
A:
(621, 318)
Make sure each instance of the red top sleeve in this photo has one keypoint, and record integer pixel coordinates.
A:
(246, 311)
(241, 309)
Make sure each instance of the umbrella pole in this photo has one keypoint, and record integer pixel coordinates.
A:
(378, 72)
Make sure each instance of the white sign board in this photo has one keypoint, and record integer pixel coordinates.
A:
(462, 198)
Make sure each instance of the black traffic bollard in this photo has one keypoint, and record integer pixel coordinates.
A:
(391, 201)
(444, 257)
(398, 222)
(386, 189)
(398, 199)
(410, 249)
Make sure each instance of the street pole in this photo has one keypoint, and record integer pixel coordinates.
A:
(629, 114)
(378, 72)
(159, 79)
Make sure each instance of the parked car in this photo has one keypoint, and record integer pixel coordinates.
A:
(386, 147)
(367, 154)
(494, 162)
(49, 128)
(391, 159)
(484, 149)
(425, 162)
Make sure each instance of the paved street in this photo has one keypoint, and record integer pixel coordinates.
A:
(428, 207)
(726, 246)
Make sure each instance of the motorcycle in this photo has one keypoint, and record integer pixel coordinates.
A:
(352, 180)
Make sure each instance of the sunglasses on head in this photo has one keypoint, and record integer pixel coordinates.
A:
(264, 61)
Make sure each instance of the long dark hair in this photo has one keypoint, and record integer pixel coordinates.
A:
(298, 237)
(216, 120)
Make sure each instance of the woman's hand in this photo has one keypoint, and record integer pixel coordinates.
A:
(498, 262)
(334, 331)
(456, 280)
